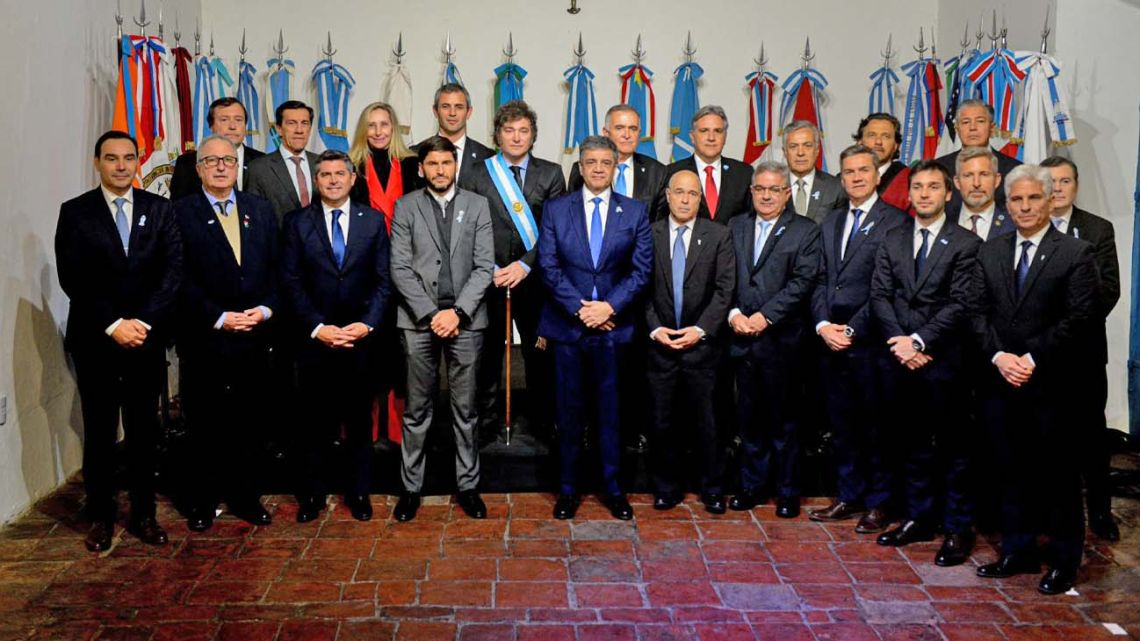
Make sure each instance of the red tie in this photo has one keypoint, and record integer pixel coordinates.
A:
(711, 196)
(302, 184)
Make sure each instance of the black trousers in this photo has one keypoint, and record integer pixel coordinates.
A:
(682, 389)
(768, 410)
(526, 304)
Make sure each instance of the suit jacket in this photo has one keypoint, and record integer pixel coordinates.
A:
(543, 181)
(103, 283)
(474, 153)
(709, 280)
(315, 290)
(185, 180)
(843, 295)
(417, 249)
(269, 177)
(939, 303)
(734, 196)
(648, 179)
(1057, 304)
(569, 273)
(215, 283)
(780, 283)
(1005, 165)
(1100, 233)
(826, 194)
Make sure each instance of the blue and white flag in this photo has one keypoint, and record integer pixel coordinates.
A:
(1045, 118)
(508, 83)
(581, 107)
(685, 105)
(451, 74)
(280, 80)
(203, 96)
(247, 96)
(882, 98)
(334, 84)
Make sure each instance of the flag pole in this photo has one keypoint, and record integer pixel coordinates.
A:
(509, 336)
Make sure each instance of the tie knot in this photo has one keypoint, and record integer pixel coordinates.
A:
(764, 225)
(596, 200)
(622, 167)
(925, 233)
(336, 213)
(224, 207)
(682, 229)
(1026, 244)
(709, 170)
(296, 160)
(119, 202)
(800, 183)
(1057, 222)
(976, 217)
(856, 212)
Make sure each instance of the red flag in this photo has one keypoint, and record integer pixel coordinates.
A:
(806, 110)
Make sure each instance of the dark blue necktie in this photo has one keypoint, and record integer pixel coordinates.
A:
(920, 257)
(1023, 265)
(678, 273)
(855, 214)
(337, 238)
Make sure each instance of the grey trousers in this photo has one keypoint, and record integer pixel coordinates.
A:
(423, 350)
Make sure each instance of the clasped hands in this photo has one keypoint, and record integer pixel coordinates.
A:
(749, 325)
(1016, 370)
(903, 349)
(342, 337)
(596, 314)
(243, 321)
(130, 333)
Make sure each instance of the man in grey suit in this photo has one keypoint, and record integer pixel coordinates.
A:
(441, 311)
(814, 193)
(285, 178)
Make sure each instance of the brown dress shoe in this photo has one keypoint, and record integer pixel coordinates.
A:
(837, 511)
(99, 536)
(876, 520)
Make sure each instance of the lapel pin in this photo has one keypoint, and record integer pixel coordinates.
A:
(1076, 232)
(944, 241)
(618, 211)
(726, 166)
(698, 242)
(780, 231)
(208, 222)
(815, 196)
(459, 217)
(643, 170)
(142, 220)
(867, 228)
(245, 220)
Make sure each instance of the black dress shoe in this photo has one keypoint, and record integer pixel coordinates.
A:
(665, 501)
(99, 536)
(905, 534)
(714, 503)
(618, 506)
(309, 508)
(788, 507)
(1104, 527)
(837, 511)
(250, 510)
(407, 507)
(360, 506)
(955, 550)
(566, 506)
(876, 520)
(1057, 581)
(1009, 565)
(745, 500)
(148, 531)
(472, 504)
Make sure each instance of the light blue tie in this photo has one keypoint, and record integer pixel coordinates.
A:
(678, 273)
(621, 186)
(337, 238)
(121, 223)
(596, 233)
(765, 226)
(1057, 223)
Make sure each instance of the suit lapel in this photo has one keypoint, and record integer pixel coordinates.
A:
(426, 208)
(578, 215)
(357, 235)
(997, 224)
(866, 226)
(696, 246)
(316, 217)
(774, 234)
(727, 178)
(139, 220)
(1075, 222)
(105, 221)
(613, 220)
(1040, 256)
(281, 170)
(530, 181)
(637, 171)
(663, 253)
(941, 244)
(456, 220)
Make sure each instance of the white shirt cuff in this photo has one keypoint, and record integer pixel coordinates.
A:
(733, 313)
(112, 327)
(820, 325)
(918, 338)
(316, 329)
(221, 321)
(265, 311)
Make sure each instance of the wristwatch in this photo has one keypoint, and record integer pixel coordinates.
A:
(916, 344)
(463, 317)
(849, 331)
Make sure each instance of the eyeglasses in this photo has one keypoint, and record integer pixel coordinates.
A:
(761, 189)
(212, 161)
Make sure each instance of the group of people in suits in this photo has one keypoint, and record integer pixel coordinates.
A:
(709, 275)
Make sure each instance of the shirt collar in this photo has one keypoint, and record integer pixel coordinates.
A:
(1035, 238)
(288, 156)
(866, 206)
(214, 201)
(883, 168)
(674, 225)
(444, 199)
(808, 178)
(986, 214)
(522, 163)
(588, 196)
(345, 208)
(702, 164)
(1066, 216)
(935, 227)
(110, 197)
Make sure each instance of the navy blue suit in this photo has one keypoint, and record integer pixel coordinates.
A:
(338, 385)
(569, 273)
(852, 377)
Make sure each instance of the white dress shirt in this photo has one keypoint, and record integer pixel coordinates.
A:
(716, 165)
(865, 208)
(984, 223)
(292, 171)
(1064, 218)
(342, 222)
(129, 210)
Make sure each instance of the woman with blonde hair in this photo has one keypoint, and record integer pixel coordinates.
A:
(386, 168)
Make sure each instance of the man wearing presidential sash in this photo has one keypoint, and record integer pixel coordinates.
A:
(517, 185)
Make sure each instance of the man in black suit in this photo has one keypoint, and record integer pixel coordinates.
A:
(975, 122)
(724, 181)
(1090, 388)
(452, 109)
(977, 178)
(814, 193)
(226, 117)
(285, 178)
(1038, 306)
(517, 186)
(335, 281)
(119, 258)
(688, 297)
(229, 295)
(637, 175)
(923, 294)
(882, 134)
(854, 360)
(778, 262)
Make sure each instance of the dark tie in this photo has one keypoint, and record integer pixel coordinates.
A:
(517, 171)
(974, 223)
(855, 214)
(302, 184)
(337, 238)
(920, 257)
(1023, 265)
(678, 273)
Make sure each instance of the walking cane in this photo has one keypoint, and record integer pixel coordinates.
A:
(510, 334)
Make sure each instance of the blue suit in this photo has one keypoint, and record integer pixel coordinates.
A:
(568, 270)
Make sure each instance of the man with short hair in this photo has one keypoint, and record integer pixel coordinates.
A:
(813, 193)
(882, 134)
(226, 117)
(452, 109)
(975, 123)
(977, 178)
(1091, 386)
(119, 258)
(724, 181)
(595, 251)
(923, 294)
(285, 178)
(1039, 302)
(335, 282)
(637, 175)
(442, 263)
(229, 297)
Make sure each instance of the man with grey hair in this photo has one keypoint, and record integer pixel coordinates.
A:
(724, 181)
(975, 122)
(452, 109)
(594, 288)
(1038, 304)
(814, 193)
(977, 178)
(778, 261)
(636, 175)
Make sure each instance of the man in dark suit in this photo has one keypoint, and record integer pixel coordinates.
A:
(923, 295)
(119, 257)
(517, 186)
(975, 122)
(977, 178)
(452, 109)
(814, 193)
(334, 273)
(229, 295)
(285, 178)
(442, 264)
(882, 134)
(1090, 388)
(226, 117)
(685, 307)
(1039, 303)
(596, 253)
(724, 181)
(854, 359)
(778, 262)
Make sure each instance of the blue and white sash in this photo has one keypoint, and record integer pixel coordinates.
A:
(511, 193)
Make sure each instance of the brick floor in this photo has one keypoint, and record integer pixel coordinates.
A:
(521, 576)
